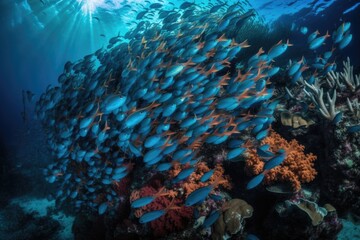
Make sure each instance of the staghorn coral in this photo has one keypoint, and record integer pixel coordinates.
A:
(173, 220)
(297, 167)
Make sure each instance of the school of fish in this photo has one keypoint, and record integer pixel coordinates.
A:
(157, 94)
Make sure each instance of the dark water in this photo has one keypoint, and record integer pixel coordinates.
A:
(38, 38)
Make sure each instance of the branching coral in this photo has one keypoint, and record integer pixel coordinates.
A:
(316, 94)
(193, 181)
(297, 167)
(344, 78)
(173, 220)
(345, 83)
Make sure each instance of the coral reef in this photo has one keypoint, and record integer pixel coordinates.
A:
(300, 218)
(174, 220)
(297, 167)
(193, 181)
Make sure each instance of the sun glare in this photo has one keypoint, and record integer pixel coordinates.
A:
(89, 6)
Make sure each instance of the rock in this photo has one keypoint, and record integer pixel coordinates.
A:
(232, 219)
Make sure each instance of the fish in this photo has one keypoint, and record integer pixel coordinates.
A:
(183, 174)
(143, 201)
(211, 219)
(262, 134)
(102, 208)
(235, 153)
(173, 91)
(278, 49)
(254, 182)
(252, 236)
(317, 42)
(274, 161)
(98, 19)
(155, 5)
(338, 117)
(353, 129)
(304, 30)
(206, 176)
(312, 36)
(153, 215)
(186, 4)
(345, 41)
(352, 8)
(295, 67)
(200, 194)
(263, 151)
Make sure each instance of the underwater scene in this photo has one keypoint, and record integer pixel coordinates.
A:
(161, 119)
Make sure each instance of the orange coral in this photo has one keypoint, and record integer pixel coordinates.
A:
(297, 167)
(193, 181)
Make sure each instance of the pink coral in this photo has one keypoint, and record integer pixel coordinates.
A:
(173, 220)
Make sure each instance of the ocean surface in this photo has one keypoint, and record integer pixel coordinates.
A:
(129, 119)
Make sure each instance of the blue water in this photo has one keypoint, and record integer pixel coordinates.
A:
(37, 38)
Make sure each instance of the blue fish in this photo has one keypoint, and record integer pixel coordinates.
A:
(261, 135)
(215, 197)
(206, 176)
(142, 201)
(51, 179)
(102, 208)
(85, 122)
(255, 181)
(304, 30)
(152, 140)
(119, 176)
(345, 41)
(113, 102)
(251, 237)
(211, 219)
(164, 167)
(317, 42)
(183, 174)
(273, 71)
(135, 118)
(188, 122)
(295, 67)
(153, 215)
(274, 161)
(353, 129)
(229, 103)
(264, 153)
(278, 49)
(152, 154)
(198, 196)
(174, 70)
(235, 143)
(338, 117)
(168, 110)
(312, 36)
(344, 27)
(235, 153)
